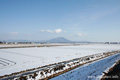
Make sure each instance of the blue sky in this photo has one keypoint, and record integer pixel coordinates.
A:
(77, 20)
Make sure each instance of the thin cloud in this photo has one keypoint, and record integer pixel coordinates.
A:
(52, 31)
(42, 30)
(79, 34)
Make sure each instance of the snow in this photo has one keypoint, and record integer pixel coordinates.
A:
(33, 44)
(90, 71)
(26, 58)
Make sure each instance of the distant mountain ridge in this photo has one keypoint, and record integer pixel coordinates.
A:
(54, 40)
(59, 40)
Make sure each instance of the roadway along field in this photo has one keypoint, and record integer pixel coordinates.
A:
(92, 71)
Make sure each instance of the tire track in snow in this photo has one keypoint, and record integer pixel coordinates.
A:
(6, 63)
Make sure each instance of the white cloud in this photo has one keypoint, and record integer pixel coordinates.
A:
(58, 30)
(52, 31)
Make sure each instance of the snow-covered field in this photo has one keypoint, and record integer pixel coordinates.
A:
(90, 71)
(18, 59)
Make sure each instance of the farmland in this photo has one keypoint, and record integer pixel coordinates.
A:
(18, 59)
